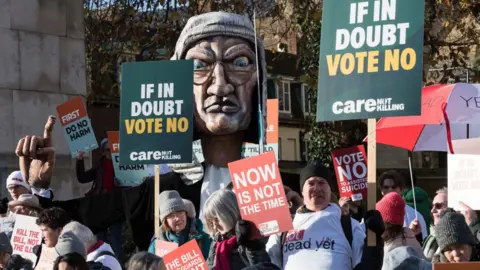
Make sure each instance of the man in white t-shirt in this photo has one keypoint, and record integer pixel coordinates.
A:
(394, 181)
(321, 238)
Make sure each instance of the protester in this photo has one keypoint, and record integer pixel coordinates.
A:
(26, 204)
(177, 225)
(145, 261)
(318, 221)
(423, 203)
(233, 247)
(405, 258)
(394, 181)
(372, 256)
(392, 209)
(455, 239)
(16, 185)
(103, 177)
(9, 261)
(51, 222)
(69, 243)
(440, 203)
(99, 253)
(70, 261)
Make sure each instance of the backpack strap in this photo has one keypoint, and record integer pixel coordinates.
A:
(347, 228)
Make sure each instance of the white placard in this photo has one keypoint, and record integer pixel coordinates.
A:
(26, 235)
(464, 180)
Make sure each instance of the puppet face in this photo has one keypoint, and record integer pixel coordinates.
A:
(224, 82)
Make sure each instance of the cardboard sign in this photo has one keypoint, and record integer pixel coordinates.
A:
(47, 258)
(26, 235)
(463, 180)
(7, 223)
(351, 170)
(162, 248)
(457, 266)
(251, 149)
(366, 49)
(156, 112)
(126, 175)
(76, 126)
(260, 193)
(187, 256)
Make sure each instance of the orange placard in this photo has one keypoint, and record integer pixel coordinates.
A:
(260, 193)
(114, 140)
(457, 266)
(272, 121)
(71, 111)
(187, 256)
(162, 248)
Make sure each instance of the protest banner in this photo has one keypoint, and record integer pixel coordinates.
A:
(456, 266)
(366, 48)
(251, 149)
(7, 223)
(351, 170)
(76, 126)
(162, 248)
(260, 193)
(187, 256)
(47, 258)
(26, 235)
(156, 112)
(126, 175)
(464, 174)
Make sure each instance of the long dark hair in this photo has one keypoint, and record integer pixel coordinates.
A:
(392, 231)
(75, 260)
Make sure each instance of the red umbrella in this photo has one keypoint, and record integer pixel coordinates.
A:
(433, 130)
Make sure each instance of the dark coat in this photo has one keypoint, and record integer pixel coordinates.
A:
(95, 175)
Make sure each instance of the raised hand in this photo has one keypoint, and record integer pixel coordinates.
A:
(37, 156)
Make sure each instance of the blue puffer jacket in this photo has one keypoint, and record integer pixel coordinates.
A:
(196, 232)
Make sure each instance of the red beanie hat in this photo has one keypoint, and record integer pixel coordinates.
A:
(392, 208)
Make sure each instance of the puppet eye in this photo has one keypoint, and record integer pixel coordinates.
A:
(198, 64)
(242, 61)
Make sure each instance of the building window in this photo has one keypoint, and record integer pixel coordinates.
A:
(283, 89)
(306, 102)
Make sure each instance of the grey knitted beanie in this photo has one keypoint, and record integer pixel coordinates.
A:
(69, 243)
(453, 229)
(170, 202)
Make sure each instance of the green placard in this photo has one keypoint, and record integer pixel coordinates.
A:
(371, 59)
(156, 112)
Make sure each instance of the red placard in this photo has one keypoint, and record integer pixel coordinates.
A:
(351, 170)
(71, 111)
(162, 248)
(187, 256)
(260, 194)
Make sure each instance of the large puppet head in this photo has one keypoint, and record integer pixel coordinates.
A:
(222, 46)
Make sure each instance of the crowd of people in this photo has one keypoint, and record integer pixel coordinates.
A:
(329, 233)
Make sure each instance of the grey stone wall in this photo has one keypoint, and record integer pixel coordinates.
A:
(42, 64)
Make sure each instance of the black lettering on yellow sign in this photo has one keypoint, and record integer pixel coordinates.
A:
(156, 125)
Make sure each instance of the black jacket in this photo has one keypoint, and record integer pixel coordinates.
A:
(16, 262)
(95, 175)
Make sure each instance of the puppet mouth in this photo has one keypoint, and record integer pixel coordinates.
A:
(225, 106)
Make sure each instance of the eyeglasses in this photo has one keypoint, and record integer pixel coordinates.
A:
(438, 206)
(236, 75)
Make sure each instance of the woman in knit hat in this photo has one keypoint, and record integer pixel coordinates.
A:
(233, 247)
(177, 225)
(455, 239)
(392, 209)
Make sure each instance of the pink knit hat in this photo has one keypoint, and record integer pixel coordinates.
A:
(392, 208)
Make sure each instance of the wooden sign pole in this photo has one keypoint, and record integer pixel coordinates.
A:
(157, 202)
(372, 174)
